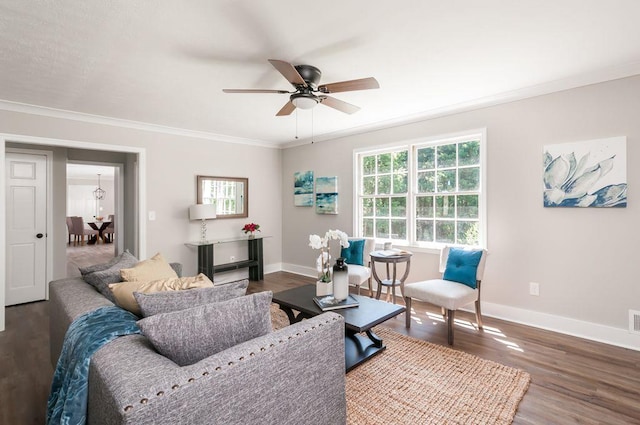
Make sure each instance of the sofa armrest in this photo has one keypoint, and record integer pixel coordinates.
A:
(68, 299)
(290, 376)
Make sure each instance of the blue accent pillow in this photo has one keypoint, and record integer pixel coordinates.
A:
(462, 266)
(354, 253)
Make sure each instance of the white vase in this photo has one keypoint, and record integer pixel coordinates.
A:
(340, 280)
(324, 288)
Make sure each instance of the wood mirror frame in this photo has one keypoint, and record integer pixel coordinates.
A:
(239, 204)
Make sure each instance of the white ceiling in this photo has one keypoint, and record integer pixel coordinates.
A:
(166, 62)
(84, 171)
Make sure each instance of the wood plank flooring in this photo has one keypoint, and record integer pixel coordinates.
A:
(572, 380)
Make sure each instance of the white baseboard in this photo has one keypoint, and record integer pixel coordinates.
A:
(564, 325)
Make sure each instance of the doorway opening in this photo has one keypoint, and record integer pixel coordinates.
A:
(92, 208)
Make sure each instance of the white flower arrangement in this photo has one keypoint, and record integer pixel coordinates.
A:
(323, 263)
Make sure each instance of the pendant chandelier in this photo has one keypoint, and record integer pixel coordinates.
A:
(99, 193)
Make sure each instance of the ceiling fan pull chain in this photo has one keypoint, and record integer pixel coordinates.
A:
(296, 124)
(312, 141)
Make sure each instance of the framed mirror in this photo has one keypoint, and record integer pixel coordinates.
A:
(229, 194)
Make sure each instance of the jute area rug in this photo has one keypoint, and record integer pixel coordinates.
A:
(416, 382)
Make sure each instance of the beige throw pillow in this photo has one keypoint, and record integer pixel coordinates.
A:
(154, 268)
(123, 291)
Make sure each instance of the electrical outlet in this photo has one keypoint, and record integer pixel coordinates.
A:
(534, 288)
(232, 258)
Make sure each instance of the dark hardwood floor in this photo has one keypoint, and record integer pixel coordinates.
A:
(572, 380)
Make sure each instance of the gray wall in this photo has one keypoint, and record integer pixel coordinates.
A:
(172, 163)
(582, 258)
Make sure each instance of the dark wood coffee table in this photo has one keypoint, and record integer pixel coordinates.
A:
(371, 312)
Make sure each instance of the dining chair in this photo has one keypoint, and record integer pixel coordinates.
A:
(70, 229)
(459, 286)
(110, 230)
(81, 231)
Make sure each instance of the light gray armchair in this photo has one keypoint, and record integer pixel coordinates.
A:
(450, 295)
(359, 274)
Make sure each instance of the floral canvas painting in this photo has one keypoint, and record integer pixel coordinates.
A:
(586, 174)
(327, 195)
(303, 188)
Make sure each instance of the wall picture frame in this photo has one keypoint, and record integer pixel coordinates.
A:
(588, 174)
(327, 195)
(303, 188)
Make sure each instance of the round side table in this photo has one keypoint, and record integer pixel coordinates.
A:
(391, 260)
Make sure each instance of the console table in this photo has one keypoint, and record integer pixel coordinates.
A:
(254, 262)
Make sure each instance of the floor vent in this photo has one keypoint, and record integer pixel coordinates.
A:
(634, 321)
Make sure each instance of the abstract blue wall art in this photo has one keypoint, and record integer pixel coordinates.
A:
(586, 174)
(303, 188)
(327, 195)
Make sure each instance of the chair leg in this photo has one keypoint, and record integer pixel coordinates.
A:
(478, 314)
(407, 312)
(450, 316)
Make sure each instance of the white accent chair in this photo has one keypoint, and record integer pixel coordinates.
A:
(360, 274)
(448, 295)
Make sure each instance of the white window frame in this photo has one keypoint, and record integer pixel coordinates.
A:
(411, 145)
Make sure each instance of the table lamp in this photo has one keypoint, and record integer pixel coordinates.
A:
(202, 212)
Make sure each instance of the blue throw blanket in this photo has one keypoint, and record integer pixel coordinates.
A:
(67, 402)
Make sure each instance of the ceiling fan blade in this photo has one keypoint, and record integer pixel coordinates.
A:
(289, 72)
(254, 91)
(340, 105)
(351, 85)
(287, 109)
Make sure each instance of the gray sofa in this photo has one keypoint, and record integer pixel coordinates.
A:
(291, 376)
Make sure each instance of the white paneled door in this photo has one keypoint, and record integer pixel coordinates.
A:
(26, 219)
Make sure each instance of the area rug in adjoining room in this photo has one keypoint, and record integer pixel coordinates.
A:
(416, 382)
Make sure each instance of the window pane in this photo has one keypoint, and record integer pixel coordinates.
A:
(424, 207)
(426, 182)
(382, 207)
(367, 207)
(468, 233)
(384, 185)
(369, 185)
(399, 229)
(469, 178)
(446, 156)
(424, 231)
(398, 207)
(382, 228)
(468, 206)
(400, 161)
(426, 158)
(469, 153)
(445, 231)
(369, 165)
(367, 227)
(446, 206)
(447, 181)
(399, 183)
(384, 163)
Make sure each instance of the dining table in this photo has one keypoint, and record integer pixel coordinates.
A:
(100, 226)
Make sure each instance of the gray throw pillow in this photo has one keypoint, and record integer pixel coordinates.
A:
(104, 266)
(166, 302)
(102, 278)
(188, 336)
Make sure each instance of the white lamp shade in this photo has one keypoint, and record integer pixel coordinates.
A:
(202, 212)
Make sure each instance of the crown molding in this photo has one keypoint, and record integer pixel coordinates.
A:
(11, 106)
(596, 77)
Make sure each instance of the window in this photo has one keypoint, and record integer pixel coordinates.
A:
(423, 194)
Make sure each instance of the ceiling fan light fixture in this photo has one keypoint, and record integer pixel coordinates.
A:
(304, 100)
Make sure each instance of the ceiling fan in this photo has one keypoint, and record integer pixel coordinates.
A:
(308, 93)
